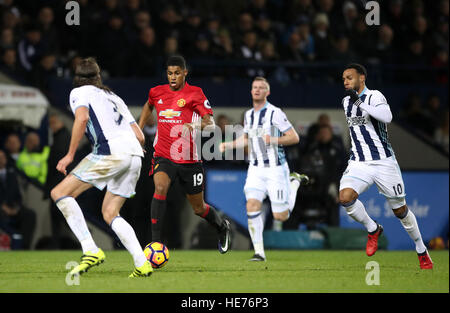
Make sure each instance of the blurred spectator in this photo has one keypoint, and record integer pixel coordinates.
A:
(350, 14)
(245, 24)
(15, 219)
(268, 52)
(113, 58)
(141, 21)
(296, 8)
(169, 23)
(361, 40)
(324, 162)
(191, 29)
(384, 49)
(226, 49)
(11, 20)
(249, 51)
(146, 54)
(440, 63)
(292, 51)
(396, 19)
(31, 47)
(265, 29)
(43, 72)
(419, 31)
(306, 44)
(10, 66)
(33, 158)
(258, 7)
(414, 114)
(322, 42)
(333, 13)
(12, 149)
(322, 120)
(48, 28)
(433, 114)
(440, 36)
(342, 53)
(212, 28)
(170, 47)
(441, 133)
(132, 9)
(7, 39)
(59, 147)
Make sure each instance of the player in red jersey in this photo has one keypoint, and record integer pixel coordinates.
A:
(181, 110)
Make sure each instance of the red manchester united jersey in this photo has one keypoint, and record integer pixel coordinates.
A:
(173, 109)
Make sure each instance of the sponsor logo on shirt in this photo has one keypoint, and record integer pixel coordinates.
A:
(169, 113)
(356, 121)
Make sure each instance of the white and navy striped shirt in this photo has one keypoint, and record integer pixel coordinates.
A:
(270, 120)
(108, 128)
(368, 135)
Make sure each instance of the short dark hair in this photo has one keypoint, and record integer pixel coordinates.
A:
(176, 60)
(360, 69)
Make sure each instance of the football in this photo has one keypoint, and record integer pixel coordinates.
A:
(157, 254)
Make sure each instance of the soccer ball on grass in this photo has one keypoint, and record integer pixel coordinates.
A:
(157, 254)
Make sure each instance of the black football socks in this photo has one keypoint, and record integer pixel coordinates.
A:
(213, 218)
(157, 212)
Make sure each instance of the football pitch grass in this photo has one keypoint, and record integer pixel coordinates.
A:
(206, 271)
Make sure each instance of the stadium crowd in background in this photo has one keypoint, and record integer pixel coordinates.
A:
(36, 42)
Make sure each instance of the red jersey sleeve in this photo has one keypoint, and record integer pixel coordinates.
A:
(201, 104)
(150, 98)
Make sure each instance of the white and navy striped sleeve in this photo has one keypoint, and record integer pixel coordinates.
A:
(377, 107)
(280, 120)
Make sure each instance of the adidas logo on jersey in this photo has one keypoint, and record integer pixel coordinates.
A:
(160, 101)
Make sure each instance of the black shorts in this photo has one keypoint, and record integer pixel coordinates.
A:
(190, 175)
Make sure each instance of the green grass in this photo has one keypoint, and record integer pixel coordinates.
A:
(208, 271)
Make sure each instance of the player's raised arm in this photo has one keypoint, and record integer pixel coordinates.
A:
(78, 129)
(380, 109)
(145, 114)
(290, 137)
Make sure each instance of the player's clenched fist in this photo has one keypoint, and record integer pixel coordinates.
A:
(63, 163)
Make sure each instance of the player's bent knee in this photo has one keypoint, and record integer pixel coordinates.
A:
(401, 212)
(56, 193)
(347, 196)
(108, 216)
(253, 206)
(161, 189)
(282, 216)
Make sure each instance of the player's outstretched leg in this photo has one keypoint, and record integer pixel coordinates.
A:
(222, 226)
(409, 223)
(355, 209)
(64, 195)
(110, 210)
(209, 213)
(256, 228)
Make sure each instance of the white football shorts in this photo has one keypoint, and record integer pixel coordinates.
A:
(269, 181)
(119, 173)
(385, 174)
